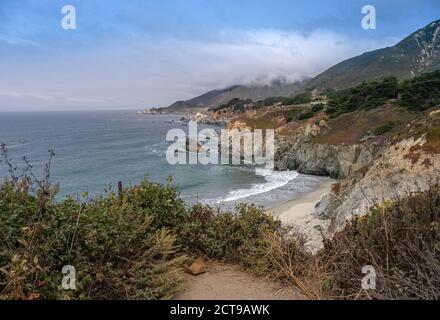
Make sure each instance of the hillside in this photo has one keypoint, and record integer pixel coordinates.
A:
(418, 53)
(215, 98)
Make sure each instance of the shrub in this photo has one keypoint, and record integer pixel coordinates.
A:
(417, 94)
(226, 235)
(306, 115)
(123, 246)
(235, 105)
(267, 102)
(400, 239)
(434, 134)
(421, 92)
(317, 107)
(366, 95)
(384, 128)
(116, 244)
(292, 114)
(300, 98)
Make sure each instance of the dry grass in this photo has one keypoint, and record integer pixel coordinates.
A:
(349, 128)
(400, 239)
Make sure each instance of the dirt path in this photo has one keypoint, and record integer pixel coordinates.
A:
(227, 282)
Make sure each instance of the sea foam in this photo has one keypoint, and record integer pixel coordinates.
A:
(274, 180)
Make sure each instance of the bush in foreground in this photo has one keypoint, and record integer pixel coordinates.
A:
(121, 245)
(400, 239)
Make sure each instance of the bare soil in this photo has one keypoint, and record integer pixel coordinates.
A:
(228, 282)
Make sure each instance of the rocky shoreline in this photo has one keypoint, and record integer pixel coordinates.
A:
(368, 173)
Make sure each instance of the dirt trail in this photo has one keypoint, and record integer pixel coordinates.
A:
(228, 282)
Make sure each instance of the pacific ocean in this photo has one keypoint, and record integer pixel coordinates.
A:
(96, 149)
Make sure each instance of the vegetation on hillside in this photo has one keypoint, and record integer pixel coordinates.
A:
(237, 105)
(388, 126)
(234, 105)
(421, 92)
(300, 98)
(292, 114)
(416, 94)
(367, 95)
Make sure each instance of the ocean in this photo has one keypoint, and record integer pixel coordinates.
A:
(96, 149)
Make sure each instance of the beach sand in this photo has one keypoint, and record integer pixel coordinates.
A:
(299, 212)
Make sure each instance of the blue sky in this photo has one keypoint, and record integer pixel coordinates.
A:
(137, 54)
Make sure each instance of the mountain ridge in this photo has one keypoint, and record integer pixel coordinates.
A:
(417, 53)
(217, 97)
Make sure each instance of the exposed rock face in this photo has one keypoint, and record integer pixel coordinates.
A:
(336, 161)
(286, 150)
(397, 171)
(369, 173)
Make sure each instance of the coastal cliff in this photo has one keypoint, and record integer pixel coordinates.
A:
(369, 172)
(377, 151)
(325, 159)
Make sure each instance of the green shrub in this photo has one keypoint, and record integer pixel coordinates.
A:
(121, 246)
(226, 235)
(417, 94)
(317, 107)
(434, 134)
(421, 92)
(366, 95)
(300, 98)
(234, 105)
(384, 128)
(306, 115)
(292, 114)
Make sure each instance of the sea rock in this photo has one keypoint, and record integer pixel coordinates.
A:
(197, 267)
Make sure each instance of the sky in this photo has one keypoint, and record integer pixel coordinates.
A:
(139, 54)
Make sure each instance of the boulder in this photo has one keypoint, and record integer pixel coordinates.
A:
(197, 267)
(323, 124)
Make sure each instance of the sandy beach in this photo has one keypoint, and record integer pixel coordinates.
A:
(298, 212)
(297, 209)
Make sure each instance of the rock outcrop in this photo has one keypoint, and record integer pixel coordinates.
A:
(370, 172)
(308, 157)
(401, 168)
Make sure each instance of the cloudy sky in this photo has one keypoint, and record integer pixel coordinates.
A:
(145, 53)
